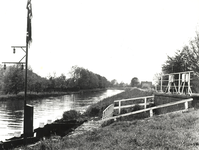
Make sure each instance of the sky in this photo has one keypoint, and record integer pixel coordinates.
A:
(114, 38)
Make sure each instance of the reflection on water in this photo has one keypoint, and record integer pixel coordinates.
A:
(11, 112)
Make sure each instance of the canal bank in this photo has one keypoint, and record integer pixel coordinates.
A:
(171, 131)
(52, 108)
(89, 128)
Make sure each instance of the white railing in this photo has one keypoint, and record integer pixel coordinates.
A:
(108, 112)
(134, 99)
(185, 101)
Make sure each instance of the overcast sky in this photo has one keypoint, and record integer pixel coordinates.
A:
(118, 39)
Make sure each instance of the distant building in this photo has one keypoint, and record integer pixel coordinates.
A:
(146, 85)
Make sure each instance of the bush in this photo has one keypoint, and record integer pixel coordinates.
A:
(124, 111)
(93, 111)
(136, 107)
(71, 115)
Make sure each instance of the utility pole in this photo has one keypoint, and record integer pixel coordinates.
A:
(26, 129)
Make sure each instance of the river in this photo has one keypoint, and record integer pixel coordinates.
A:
(48, 109)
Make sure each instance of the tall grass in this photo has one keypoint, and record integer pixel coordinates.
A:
(170, 131)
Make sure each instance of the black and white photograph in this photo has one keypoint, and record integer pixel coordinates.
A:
(90, 74)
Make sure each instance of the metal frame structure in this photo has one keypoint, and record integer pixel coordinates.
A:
(25, 85)
(20, 62)
(179, 83)
(28, 40)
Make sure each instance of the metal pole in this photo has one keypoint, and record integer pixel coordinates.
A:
(25, 86)
(25, 96)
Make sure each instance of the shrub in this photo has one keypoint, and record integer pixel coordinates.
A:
(124, 111)
(136, 107)
(71, 115)
(93, 111)
(150, 105)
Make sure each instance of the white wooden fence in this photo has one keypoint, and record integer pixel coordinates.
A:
(134, 99)
(108, 112)
(185, 101)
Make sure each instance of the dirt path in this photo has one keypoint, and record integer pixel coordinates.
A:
(85, 127)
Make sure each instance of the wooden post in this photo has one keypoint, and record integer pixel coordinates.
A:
(151, 112)
(161, 85)
(119, 107)
(145, 100)
(186, 105)
(179, 84)
(189, 87)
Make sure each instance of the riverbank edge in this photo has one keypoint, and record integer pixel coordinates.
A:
(91, 116)
(94, 139)
(31, 96)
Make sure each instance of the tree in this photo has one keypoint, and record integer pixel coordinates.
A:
(84, 79)
(1, 77)
(93, 81)
(38, 87)
(176, 63)
(13, 80)
(185, 60)
(191, 54)
(114, 82)
(122, 84)
(135, 82)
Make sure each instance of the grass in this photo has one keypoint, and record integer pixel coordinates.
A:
(169, 131)
(96, 110)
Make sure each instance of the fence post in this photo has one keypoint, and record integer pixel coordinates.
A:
(119, 107)
(145, 102)
(186, 105)
(103, 115)
(161, 84)
(151, 112)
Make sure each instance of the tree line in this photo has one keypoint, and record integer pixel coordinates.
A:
(12, 81)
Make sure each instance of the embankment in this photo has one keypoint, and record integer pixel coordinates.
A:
(168, 131)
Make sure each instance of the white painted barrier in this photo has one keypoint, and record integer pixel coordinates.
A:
(134, 99)
(108, 112)
(185, 101)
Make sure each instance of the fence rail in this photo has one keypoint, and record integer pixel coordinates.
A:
(155, 107)
(133, 99)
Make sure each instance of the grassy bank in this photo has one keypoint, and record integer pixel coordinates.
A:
(169, 131)
(96, 110)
